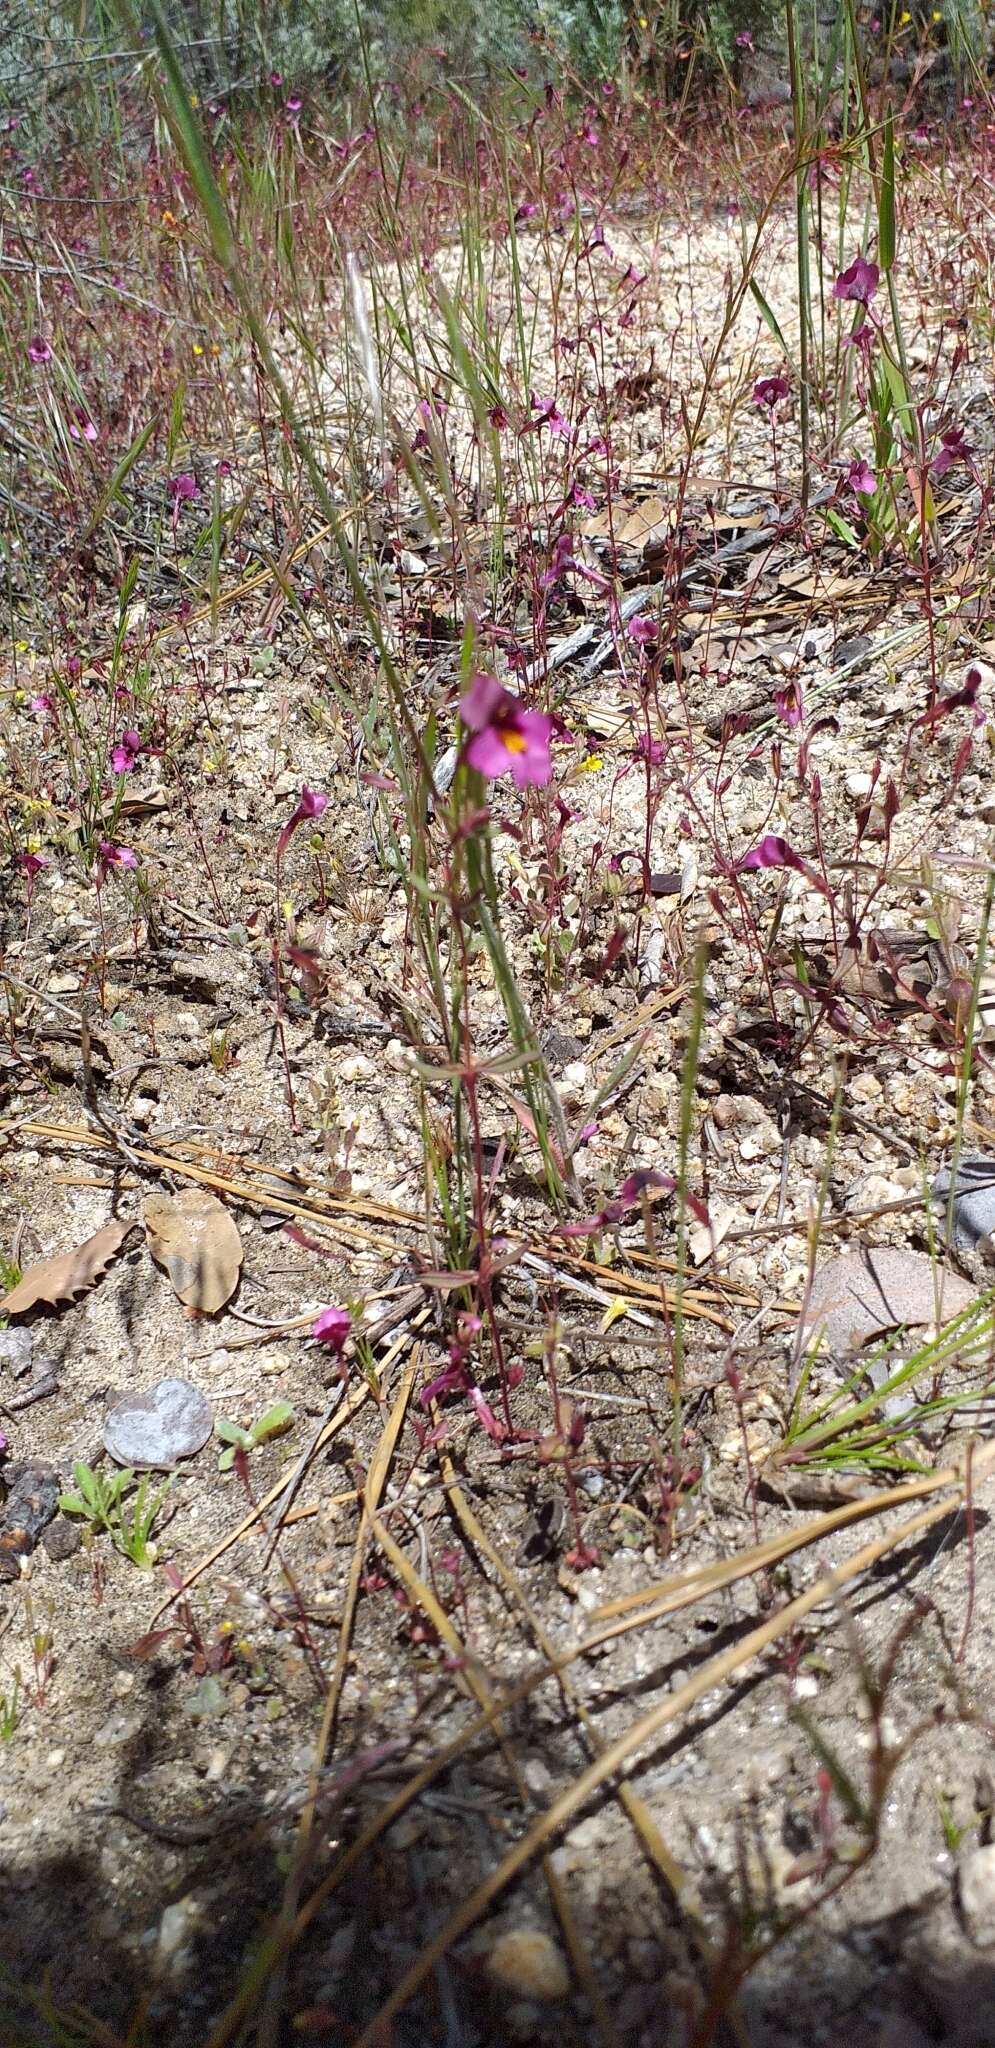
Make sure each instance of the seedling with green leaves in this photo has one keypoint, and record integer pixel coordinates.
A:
(108, 1503)
(275, 1422)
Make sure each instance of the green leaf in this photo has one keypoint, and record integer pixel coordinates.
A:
(841, 527)
(275, 1422)
(886, 197)
(233, 1433)
(895, 382)
(769, 316)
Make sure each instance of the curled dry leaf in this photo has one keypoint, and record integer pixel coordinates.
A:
(193, 1237)
(59, 1278)
(865, 1293)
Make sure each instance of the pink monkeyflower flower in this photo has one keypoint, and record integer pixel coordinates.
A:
(310, 804)
(498, 418)
(859, 282)
(643, 630)
(179, 490)
(597, 241)
(770, 390)
(110, 856)
(953, 448)
(38, 349)
(560, 562)
(506, 739)
(581, 496)
(332, 1327)
(527, 211)
(485, 1415)
(42, 704)
(772, 852)
(630, 1196)
(788, 704)
(744, 40)
(633, 277)
(126, 751)
(276, 78)
(775, 852)
(294, 105)
(31, 864)
(861, 339)
(82, 428)
(549, 415)
(860, 479)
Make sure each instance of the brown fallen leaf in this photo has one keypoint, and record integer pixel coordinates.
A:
(863, 1294)
(802, 581)
(68, 1273)
(193, 1237)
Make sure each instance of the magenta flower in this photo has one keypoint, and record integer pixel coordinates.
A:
(111, 856)
(549, 415)
(310, 804)
(294, 105)
(82, 428)
(561, 560)
(629, 1197)
(38, 349)
(861, 479)
(31, 864)
(772, 852)
(643, 630)
(179, 490)
(125, 753)
(597, 241)
(862, 339)
(42, 704)
(788, 704)
(770, 390)
(859, 282)
(332, 1328)
(953, 448)
(775, 852)
(506, 739)
(744, 40)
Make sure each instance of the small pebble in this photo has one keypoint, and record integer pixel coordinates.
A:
(62, 1538)
(528, 1962)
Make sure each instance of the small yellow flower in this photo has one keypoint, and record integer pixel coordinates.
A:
(591, 765)
(904, 17)
(643, 23)
(195, 349)
(937, 16)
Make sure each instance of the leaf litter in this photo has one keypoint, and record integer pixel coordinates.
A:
(66, 1274)
(197, 1242)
